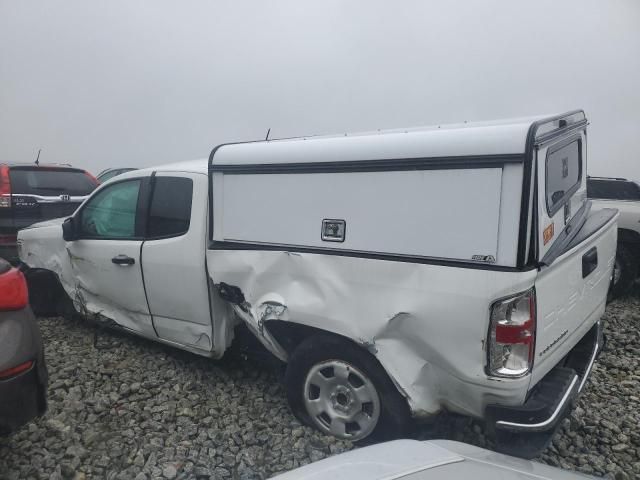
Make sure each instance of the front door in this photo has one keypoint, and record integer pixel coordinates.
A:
(106, 257)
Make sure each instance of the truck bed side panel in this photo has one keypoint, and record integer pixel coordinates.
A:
(401, 312)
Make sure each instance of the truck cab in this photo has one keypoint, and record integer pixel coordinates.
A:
(398, 274)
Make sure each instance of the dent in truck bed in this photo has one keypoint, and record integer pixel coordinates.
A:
(393, 309)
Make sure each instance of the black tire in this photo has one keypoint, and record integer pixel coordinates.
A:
(394, 414)
(625, 272)
(44, 292)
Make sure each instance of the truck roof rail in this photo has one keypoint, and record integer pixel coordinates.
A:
(550, 128)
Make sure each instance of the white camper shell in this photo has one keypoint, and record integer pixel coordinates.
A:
(399, 274)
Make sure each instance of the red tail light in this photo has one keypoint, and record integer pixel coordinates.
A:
(512, 335)
(12, 372)
(5, 187)
(8, 240)
(13, 290)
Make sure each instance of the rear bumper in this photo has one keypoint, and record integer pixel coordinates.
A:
(527, 429)
(23, 396)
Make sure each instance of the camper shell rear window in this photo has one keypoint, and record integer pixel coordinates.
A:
(51, 181)
(563, 173)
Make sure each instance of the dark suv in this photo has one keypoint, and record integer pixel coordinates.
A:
(32, 193)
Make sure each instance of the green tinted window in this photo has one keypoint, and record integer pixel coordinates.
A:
(112, 212)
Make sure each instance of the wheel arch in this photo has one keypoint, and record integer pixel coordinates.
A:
(629, 236)
(291, 334)
(46, 293)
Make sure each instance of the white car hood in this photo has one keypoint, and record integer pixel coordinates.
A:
(388, 460)
(47, 223)
(436, 459)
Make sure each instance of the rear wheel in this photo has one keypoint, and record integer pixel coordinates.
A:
(340, 389)
(625, 271)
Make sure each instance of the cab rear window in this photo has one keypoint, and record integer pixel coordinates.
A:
(564, 171)
(50, 182)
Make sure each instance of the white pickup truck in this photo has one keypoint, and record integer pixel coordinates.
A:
(624, 196)
(398, 274)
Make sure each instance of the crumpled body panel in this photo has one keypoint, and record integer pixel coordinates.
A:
(86, 280)
(426, 324)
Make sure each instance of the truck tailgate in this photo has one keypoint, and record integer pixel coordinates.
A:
(571, 291)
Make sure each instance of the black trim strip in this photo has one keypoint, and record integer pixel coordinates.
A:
(382, 165)
(144, 203)
(144, 288)
(228, 245)
(527, 171)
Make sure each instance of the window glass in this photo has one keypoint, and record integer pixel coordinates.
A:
(107, 176)
(51, 182)
(563, 175)
(112, 212)
(613, 189)
(170, 209)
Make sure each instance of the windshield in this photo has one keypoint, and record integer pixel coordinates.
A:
(51, 182)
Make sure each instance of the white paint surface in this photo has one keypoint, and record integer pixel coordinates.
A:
(175, 276)
(432, 213)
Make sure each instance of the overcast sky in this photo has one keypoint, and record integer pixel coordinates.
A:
(136, 83)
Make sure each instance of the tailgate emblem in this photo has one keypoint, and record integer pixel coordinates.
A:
(65, 198)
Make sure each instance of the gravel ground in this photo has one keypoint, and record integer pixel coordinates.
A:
(131, 408)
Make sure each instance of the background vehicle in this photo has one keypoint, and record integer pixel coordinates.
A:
(32, 193)
(432, 460)
(23, 374)
(109, 173)
(623, 195)
(386, 311)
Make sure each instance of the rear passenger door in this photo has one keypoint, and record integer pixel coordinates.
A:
(173, 259)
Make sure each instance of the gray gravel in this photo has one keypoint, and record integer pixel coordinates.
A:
(133, 409)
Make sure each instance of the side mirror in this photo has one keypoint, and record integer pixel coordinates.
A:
(69, 230)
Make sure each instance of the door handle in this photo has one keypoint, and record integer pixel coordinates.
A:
(123, 260)
(589, 262)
